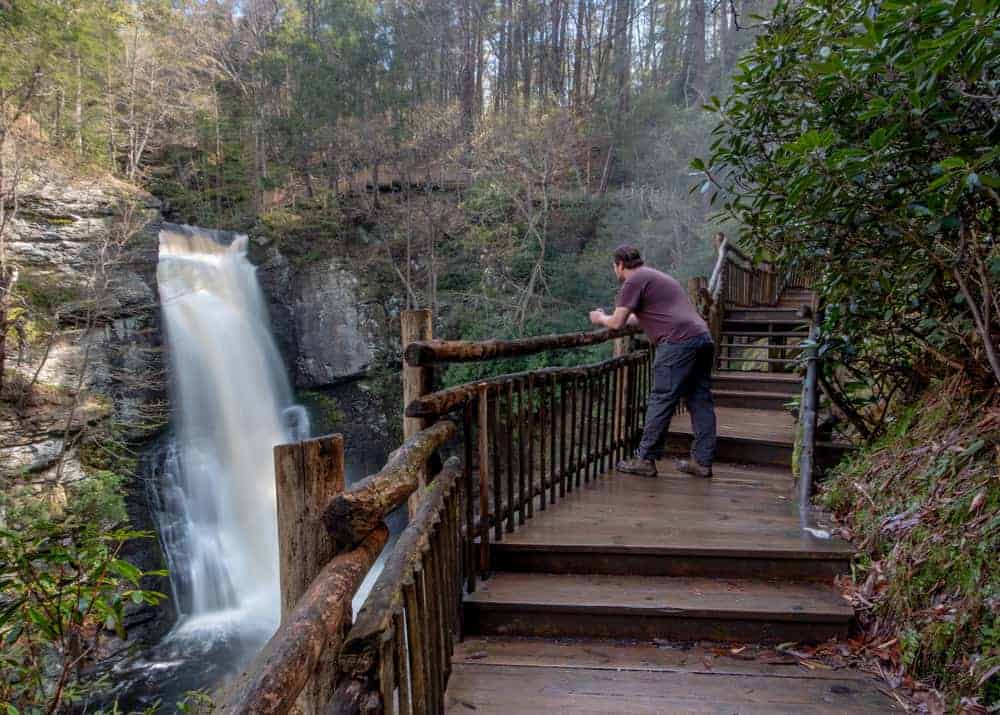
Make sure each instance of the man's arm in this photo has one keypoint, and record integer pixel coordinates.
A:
(616, 320)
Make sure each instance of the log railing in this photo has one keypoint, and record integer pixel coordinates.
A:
(538, 436)
(397, 657)
(740, 282)
(300, 665)
(527, 440)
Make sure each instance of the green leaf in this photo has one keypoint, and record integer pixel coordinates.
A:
(127, 570)
(952, 162)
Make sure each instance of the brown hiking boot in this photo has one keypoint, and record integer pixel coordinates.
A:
(691, 466)
(637, 465)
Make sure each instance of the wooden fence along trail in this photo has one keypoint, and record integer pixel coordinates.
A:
(532, 576)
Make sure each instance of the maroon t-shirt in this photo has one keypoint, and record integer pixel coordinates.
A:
(661, 306)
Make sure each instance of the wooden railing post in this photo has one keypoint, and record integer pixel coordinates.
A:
(307, 475)
(414, 326)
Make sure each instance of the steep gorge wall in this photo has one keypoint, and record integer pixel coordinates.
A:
(86, 343)
(90, 341)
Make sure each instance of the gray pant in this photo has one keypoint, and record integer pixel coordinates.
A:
(682, 370)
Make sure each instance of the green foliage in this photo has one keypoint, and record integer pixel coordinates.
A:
(923, 502)
(324, 411)
(860, 141)
(63, 587)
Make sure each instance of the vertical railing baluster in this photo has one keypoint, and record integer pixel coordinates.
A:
(497, 467)
(427, 639)
(562, 438)
(417, 647)
(634, 384)
(444, 626)
(483, 408)
(531, 447)
(554, 463)
(606, 422)
(522, 450)
(402, 661)
(387, 672)
(469, 550)
(571, 467)
(544, 455)
(509, 430)
(589, 421)
(615, 409)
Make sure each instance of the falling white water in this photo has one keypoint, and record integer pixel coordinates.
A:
(231, 404)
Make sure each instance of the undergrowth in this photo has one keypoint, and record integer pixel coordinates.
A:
(923, 506)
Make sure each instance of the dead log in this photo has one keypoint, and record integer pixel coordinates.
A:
(280, 671)
(429, 352)
(352, 515)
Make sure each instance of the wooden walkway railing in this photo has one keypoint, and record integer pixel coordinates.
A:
(523, 441)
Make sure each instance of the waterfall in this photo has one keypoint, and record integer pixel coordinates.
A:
(231, 403)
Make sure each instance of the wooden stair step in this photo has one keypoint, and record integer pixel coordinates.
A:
(724, 358)
(644, 607)
(533, 675)
(759, 346)
(787, 553)
(774, 315)
(752, 399)
(751, 381)
(764, 334)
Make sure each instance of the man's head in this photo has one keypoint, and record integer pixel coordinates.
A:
(627, 259)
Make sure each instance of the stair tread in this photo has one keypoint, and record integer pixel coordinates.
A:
(751, 393)
(608, 654)
(765, 376)
(773, 361)
(504, 689)
(759, 346)
(750, 599)
(763, 334)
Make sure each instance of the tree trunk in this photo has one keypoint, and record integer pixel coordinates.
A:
(693, 74)
(78, 108)
(621, 42)
(578, 93)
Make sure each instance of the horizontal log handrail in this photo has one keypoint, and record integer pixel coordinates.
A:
(442, 402)
(360, 651)
(396, 658)
(429, 352)
(353, 514)
(313, 630)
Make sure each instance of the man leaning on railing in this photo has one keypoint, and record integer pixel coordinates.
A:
(682, 367)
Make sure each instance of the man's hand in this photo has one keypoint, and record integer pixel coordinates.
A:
(614, 322)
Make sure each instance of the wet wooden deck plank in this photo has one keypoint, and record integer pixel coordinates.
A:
(770, 426)
(487, 689)
(601, 654)
(678, 596)
(742, 510)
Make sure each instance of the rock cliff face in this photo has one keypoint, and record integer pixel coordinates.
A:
(89, 343)
(84, 366)
(333, 338)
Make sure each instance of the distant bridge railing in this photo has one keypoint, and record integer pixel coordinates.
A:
(524, 441)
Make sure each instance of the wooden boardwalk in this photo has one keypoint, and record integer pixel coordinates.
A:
(607, 602)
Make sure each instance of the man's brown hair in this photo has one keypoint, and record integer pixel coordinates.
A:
(628, 256)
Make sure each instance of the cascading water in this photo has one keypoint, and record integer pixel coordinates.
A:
(214, 492)
(231, 404)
